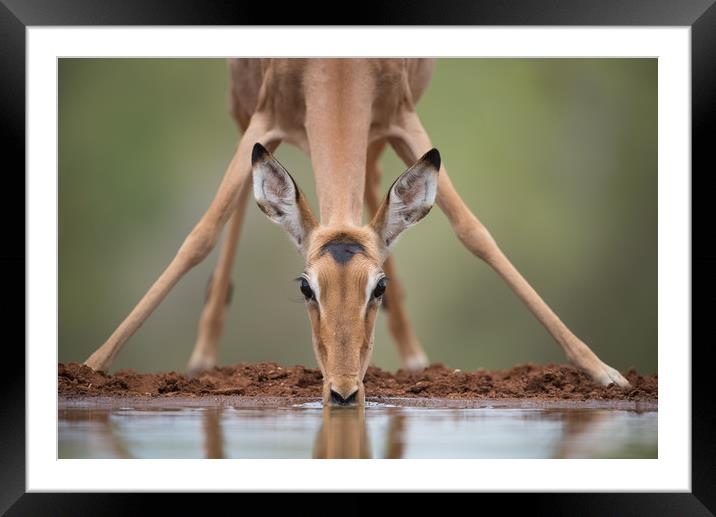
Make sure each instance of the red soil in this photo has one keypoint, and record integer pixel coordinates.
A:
(524, 381)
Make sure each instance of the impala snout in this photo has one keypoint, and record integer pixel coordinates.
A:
(343, 391)
(337, 399)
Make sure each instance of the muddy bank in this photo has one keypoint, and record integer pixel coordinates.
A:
(524, 381)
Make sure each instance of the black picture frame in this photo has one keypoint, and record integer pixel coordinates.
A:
(700, 15)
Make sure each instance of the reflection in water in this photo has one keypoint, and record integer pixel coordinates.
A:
(342, 434)
(102, 434)
(395, 436)
(213, 439)
(338, 432)
(578, 426)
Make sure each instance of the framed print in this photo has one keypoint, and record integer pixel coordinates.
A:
(591, 123)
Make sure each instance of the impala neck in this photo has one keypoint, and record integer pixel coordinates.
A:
(339, 100)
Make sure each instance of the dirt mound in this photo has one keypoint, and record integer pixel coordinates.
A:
(524, 381)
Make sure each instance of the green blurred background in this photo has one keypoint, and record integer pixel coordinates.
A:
(558, 157)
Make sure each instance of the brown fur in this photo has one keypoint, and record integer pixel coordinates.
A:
(343, 323)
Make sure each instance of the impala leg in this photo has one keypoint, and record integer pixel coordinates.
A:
(195, 247)
(411, 353)
(410, 142)
(219, 294)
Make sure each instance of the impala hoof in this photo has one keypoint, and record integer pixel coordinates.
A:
(98, 364)
(416, 363)
(607, 376)
(198, 365)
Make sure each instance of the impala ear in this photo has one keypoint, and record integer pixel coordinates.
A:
(409, 199)
(279, 198)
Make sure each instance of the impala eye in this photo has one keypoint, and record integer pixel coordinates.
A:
(380, 287)
(306, 289)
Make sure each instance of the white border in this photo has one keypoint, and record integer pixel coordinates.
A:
(670, 472)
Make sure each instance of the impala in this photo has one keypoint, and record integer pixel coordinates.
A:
(343, 113)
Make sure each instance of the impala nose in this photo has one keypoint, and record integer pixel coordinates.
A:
(339, 399)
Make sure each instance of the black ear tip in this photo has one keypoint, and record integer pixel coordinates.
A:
(433, 157)
(258, 152)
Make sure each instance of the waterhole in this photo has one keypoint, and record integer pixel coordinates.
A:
(385, 429)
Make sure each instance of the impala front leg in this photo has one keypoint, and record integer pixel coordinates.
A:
(410, 140)
(196, 246)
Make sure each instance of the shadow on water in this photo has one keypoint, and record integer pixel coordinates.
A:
(345, 433)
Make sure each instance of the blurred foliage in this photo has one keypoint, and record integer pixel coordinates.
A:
(558, 157)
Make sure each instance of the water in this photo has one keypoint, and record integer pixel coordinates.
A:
(378, 431)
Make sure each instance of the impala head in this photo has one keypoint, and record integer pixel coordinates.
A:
(343, 280)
